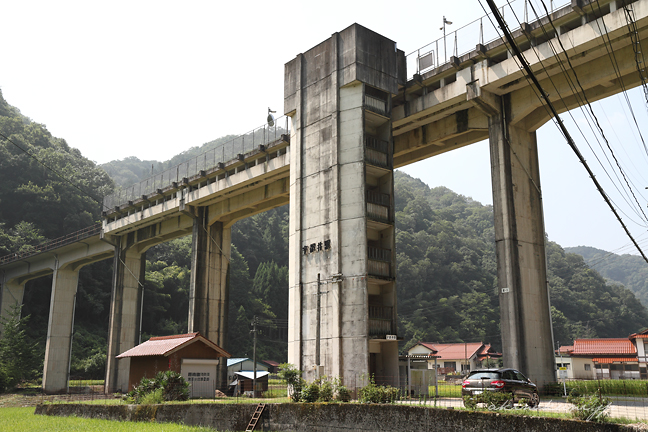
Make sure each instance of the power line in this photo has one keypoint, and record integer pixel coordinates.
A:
(589, 105)
(617, 71)
(558, 119)
(582, 98)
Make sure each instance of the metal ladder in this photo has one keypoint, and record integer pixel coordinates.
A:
(255, 417)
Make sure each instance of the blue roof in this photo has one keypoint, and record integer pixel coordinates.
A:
(233, 361)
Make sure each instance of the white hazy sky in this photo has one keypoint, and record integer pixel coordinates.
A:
(153, 78)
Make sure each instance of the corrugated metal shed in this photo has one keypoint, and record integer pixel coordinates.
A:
(167, 345)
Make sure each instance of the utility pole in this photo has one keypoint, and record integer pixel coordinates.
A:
(317, 331)
(562, 365)
(254, 361)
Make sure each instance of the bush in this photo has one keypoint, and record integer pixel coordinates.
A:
(498, 400)
(169, 385)
(153, 398)
(174, 385)
(371, 393)
(590, 408)
(491, 400)
(311, 392)
(294, 380)
(342, 394)
(326, 391)
(553, 389)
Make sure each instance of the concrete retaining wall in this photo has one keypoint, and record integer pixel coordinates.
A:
(327, 417)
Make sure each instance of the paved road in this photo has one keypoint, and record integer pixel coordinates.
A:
(628, 407)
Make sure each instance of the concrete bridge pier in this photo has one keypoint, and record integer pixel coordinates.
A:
(342, 297)
(125, 309)
(12, 295)
(59, 330)
(209, 285)
(527, 340)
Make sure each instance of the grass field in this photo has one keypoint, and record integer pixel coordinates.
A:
(24, 420)
(610, 387)
(83, 383)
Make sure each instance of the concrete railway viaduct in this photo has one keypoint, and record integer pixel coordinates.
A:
(355, 115)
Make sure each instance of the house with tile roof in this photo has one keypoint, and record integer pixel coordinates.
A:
(601, 358)
(192, 355)
(640, 341)
(457, 357)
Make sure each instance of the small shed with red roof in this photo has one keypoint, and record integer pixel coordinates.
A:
(192, 355)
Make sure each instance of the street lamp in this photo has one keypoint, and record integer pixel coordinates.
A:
(445, 50)
(271, 119)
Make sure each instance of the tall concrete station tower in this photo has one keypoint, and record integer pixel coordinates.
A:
(342, 299)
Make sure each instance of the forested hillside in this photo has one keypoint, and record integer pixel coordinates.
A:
(47, 190)
(628, 270)
(447, 276)
(445, 255)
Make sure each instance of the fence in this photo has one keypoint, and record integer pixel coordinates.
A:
(629, 398)
(225, 152)
(481, 31)
(53, 244)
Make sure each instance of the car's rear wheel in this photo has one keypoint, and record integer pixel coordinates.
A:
(534, 401)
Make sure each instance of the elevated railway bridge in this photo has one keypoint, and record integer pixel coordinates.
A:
(355, 115)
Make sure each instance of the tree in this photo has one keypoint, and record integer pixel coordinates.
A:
(271, 286)
(17, 353)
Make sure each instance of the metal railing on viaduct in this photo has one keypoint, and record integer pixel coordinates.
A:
(258, 137)
(49, 245)
(482, 31)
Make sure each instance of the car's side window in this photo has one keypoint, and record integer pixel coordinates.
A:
(508, 375)
(520, 376)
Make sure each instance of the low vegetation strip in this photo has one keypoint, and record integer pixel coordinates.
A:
(24, 420)
(609, 387)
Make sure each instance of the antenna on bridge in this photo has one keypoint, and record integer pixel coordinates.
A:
(271, 119)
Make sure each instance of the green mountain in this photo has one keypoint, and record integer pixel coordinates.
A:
(446, 263)
(447, 276)
(630, 271)
(47, 190)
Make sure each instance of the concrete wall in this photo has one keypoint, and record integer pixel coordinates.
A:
(328, 417)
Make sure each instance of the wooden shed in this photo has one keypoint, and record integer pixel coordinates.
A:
(245, 379)
(193, 356)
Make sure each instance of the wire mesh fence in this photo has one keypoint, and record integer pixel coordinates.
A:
(620, 399)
